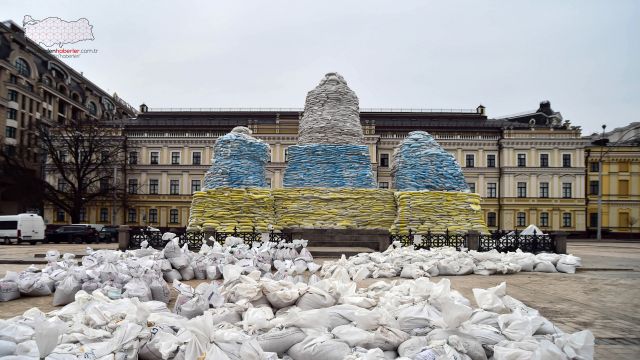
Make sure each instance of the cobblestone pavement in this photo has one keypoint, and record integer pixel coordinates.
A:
(602, 298)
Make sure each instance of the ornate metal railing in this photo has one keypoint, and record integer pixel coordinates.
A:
(431, 240)
(195, 239)
(504, 241)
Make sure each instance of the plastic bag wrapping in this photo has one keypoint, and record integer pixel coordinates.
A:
(239, 161)
(420, 163)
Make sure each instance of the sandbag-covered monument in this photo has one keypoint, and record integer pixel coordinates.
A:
(329, 185)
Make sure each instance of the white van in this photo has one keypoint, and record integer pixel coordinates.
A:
(22, 227)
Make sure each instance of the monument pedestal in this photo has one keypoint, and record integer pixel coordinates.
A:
(340, 238)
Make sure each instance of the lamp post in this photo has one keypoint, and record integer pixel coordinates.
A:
(599, 235)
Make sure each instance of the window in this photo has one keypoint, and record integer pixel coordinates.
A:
(173, 216)
(62, 185)
(544, 189)
(522, 160)
(623, 166)
(286, 154)
(60, 215)
(384, 160)
(22, 67)
(104, 184)
(12, 114)
(62, 156)
(153, 186)
(491, 219)
(174, 187)
(472, 187)
(104, 156)
(133, 186)
(10, 132)
(13, 95)
(544, 219)
(566, 190)
(566, 219)
(195, 185)
(269, 183)
(521, 219)
(383, 185)
(469, 160)
(593, 220)
(566, 160)
(594, 167)
(623, 219)
(544, 160)
(93, 109)
(83, 214)
(104, 215)
(594, 187)
(133, 157)
(623, 187)
(10, 150)
(153, 215)
(153, 158)
(196, 158)
(492, 190)
(132, 216)
(175, 158)
(522, 189)
(491, 160)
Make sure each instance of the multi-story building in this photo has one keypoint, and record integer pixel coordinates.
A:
(527, 168)
(37, 89)
(619, 160)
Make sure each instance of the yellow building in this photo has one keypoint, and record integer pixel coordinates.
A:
(620, 163)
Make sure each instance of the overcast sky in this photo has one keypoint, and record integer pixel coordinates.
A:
(583, 56)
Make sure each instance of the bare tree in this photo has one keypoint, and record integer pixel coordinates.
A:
(81, 159)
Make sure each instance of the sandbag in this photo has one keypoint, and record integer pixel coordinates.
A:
(280, 340)
(320, 347)
(187, 273)
(8, 291)
(159, 290)
(171, 275)
(66, 291)
(315, 298)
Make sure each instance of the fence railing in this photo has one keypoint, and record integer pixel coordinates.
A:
(195, 239)
(502, 241)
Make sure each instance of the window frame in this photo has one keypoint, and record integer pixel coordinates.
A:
(174, 187)
(544, 160)
(523, 157)
(544, 219)
(491, 160)
(567, 191)
(152, 157)
(544, 190)
(172, 213)
(566, 164)
(381, 186)
(193, 158)
(133, 157)
(520, 223)
(103, 216)
(132, 186)
(565, 216)
(521, 192)
(199, 182)
(153, 216)
(154, 189)
(492, 192)
(384, 160)
(178, 157)
(469, 160)
(492, 219)
(130, 212)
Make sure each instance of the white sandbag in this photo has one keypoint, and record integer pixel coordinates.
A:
(137, 288)
(283, 298)
(545, 266)
(353, 335)
(213, 273)
(160, 291)
(33, 284)
(319, 347)
(179, 262)
(225, 314)
(172, 249)
(419, 316)
(315, 298)
(518, 326)
(566, 268)
(485, 334)
(490, 299)
(8, 290)
(7, 348)
(280, 340)
(66, 291)
(171, 275)
(187, 273)
(256, 318)
(161, 345)
(90, 286)
(412, 346)
(463, 343)
(579, 345)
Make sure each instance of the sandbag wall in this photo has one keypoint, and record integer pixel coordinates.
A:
(324, 208)
(437, 211)
(225, 208)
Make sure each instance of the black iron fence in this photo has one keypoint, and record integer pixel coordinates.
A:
(502, 241)
(195, 239)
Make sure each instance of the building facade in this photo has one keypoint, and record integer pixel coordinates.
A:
(528, 168)
(619, 161)
(36, 89)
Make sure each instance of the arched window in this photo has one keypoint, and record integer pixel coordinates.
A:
(93, 109)
(22, 67)
(62, 89)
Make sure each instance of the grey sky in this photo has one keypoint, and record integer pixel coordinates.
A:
(583, 56)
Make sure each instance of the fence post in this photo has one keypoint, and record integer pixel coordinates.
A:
(207, 232)
(473, 240)
(123, 237)
(560, 238)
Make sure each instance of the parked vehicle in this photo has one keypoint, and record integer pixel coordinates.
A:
(97, 227)
(73, 234)
(109, 233)
(22, 228)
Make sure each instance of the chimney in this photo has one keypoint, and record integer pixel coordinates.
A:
(480, 109)
(144, 108)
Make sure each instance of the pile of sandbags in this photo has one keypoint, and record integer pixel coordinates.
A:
(407, 262)
(225, 208)
(329, 166)
(331, 114)
(420, 163)
(239, 161)
(311, 208)
(438, 211)
(248, 317)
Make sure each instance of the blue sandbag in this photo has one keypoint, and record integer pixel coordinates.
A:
(329, 166)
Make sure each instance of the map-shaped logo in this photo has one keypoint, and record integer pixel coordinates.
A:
(55, 31)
